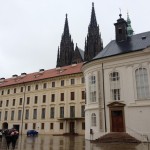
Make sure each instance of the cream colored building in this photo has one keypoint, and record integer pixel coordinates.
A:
(49, 101)
(118, 86)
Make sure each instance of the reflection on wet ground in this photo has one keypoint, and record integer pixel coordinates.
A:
(48, 142)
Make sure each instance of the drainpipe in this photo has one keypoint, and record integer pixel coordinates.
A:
(104, 98)
(24, 96)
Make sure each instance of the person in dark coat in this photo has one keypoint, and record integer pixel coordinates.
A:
(11, 137)
(14, 137)
(8, 139)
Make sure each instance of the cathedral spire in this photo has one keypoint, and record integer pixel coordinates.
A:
(66, 27)
(93, 44)
(58, 58)
(129, 28)
(66, 51)
(93, 22)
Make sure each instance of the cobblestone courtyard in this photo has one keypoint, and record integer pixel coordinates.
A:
(47, 142)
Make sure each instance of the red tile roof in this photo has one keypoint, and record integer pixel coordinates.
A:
(51, 73)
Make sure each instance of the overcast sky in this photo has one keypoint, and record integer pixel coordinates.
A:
(30, 30)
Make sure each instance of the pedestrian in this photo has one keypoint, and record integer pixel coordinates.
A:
(8, 139)
(0, 134)
(14, 138)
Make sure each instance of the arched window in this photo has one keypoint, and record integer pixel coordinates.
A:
(93, 119)
(142, 84)
(115, 86)
(92, 88)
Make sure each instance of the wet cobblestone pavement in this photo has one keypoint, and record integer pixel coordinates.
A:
(47, 142)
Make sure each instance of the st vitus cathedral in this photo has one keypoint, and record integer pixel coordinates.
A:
(93, 44)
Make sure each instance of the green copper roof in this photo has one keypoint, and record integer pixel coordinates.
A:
(129, 28)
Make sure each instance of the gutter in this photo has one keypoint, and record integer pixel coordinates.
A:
(104, 99)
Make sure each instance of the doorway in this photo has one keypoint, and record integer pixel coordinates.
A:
(117, 121)
(117, 116)
(16, 126)
(72, 126)
(5, 125)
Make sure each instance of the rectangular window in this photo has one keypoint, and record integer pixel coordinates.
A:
(36, 87)
(142, 83)
(61, 125)
(6, 115)
(28, 100)
(44, 98)
(34, 113)
(72, 111)
(83, 94)
(92, 88)
(1, 103)
(19, 114)
(120, 30)
(115, 85)
(8, 91)
(72, 81)
(52, 112)
(7, 103)
(62, 96)
(83, 125)
(29, 88)
(72, 96)
(52, 97)
(2, 92)
(20, 101)
(26, 126)
(82, 80)
(61, 112)
(42, 126)
(34, 126)
(43, 113)
(82, 111)
(13, 102)
(51, 126)
(115, 94)
(14, 90)
(12, 115)
(35, 99)
(53, 84)
(62, 82)
(44, 85)
(27, 114)
(21, 90)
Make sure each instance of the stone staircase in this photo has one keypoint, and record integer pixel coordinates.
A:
(117, 137)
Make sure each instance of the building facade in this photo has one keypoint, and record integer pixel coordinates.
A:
(118, 86)
(49, 101)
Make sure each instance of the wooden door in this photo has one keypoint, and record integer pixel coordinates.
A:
(117, 121)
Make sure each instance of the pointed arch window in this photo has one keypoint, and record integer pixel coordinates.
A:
(115, 85)
(142, 83)
(93, 119)
(92, 88)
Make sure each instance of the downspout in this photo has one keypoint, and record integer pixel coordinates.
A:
(104, 99)
(24, 96)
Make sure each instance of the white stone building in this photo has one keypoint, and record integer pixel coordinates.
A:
(118, 85)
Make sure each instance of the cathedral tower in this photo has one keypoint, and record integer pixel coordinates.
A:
(93, 43)
(66, 51)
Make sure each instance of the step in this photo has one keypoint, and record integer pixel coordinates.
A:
(117, 137)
